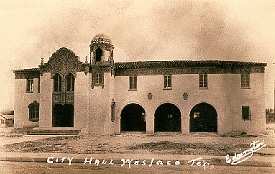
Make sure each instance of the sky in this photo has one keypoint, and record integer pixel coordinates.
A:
(139, 29)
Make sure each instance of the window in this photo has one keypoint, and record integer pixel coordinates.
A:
(70, 82)
(38, 85)
(98, 54)
(34, 111)
(133, 83)
(57, 83)
(113, 109)
(245, 80)
(99, 78)
(29, 85)
(167, 81)
(203, 83)
(246, 113)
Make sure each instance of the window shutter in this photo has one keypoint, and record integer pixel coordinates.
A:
(169, 81)
(205, 80)
(102, 78)
(130, 82)
(135, 82)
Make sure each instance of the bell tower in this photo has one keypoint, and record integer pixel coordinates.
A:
(101, 60)
(101, 50)
(101, 79)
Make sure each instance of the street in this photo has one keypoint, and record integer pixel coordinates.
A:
(44, 168)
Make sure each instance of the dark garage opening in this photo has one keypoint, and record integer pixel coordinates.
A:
(133, 118)
(203, 118)
(167, 118)
(63, 115)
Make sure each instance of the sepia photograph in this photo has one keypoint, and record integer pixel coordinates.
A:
(137, 87)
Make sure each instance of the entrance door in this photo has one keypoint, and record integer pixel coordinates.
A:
(203, 118)
(133, 118)
(167, 118)
(63, 115)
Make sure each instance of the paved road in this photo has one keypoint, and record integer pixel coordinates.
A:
(43, 168)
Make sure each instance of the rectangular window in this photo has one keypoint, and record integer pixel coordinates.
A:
(246, 113)
(203, 82)
(99, 78)
(29, 87)
(167, 81)
(245, 80)
(133, 83)
(38, 85)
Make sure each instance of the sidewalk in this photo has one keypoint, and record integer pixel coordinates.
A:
(256, 161)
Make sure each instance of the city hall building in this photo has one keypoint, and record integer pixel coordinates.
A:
(102, 96)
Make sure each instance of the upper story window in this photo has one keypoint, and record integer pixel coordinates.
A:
(203, 81)
(38, 85)
(70, 82)
(246, 113)
(133, 83)
(57, 83)
(245, 80)
(34, 111)
(29, 87)
(167, 81)
(99, 78)
(98, 54)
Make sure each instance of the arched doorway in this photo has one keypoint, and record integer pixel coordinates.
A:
(133, 118)
(167, 118)
(63, 115)
(203, 118)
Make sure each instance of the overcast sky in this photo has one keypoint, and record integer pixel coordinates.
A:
(140, 30)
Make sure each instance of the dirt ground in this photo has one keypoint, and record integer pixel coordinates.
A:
(208, 144)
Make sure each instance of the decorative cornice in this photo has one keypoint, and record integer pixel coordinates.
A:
(187, 67)
(102, 41)
(27, 73)
(63, 61)
(184, 63)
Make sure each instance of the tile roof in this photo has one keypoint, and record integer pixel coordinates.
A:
(183, 63)
(27, 70)
(168, 64)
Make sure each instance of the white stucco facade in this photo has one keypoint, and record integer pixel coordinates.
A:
(92, 111)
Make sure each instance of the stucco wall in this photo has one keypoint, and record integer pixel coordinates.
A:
(81, 100)
(253, 97)
(223, 93)
(99, 118)
(45, 115)
(92, 107)
(21, 102)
